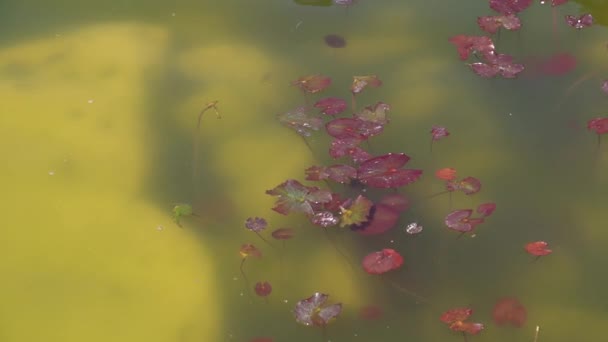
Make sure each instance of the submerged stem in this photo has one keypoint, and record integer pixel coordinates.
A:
(195, 157)
(406, 290)
(335, 245)
(264, 239)
(245, 279)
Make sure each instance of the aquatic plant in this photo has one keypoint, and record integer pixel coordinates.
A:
(457, 320)
(538, 248)
(313, 310)
(509, 310)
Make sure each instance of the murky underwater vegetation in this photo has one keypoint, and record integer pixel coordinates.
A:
(126, 221)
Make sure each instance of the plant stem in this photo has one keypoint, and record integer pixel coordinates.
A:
(263, 239)
(195, 150)
(245, 279)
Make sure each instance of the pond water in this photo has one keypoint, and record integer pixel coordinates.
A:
(100, 141)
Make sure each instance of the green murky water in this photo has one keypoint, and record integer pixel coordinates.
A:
(97, 128)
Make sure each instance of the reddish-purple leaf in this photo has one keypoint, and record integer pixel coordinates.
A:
(299, 120)
(334, 41)
(263, 289)
(396, 202)
(581, 22)
(491, 24)
(356, 212)
(248, 249)
(361, 82)
(456, 314)
(382, 261)
(385, 171)
(486, 209)
(461, 221)
(500, 64)
(598, 125)
(331, 105)
(468, 185)
(382, 219)
(312, 83)
(558, 64)
(256, 224)
(438, 132)
(353, 128)
(348, 147)
(295, 197)
(509, 310)
(467, 327)
(312, 311)
(472, 44)
(507, 7)
(375, 114)
(538, 248)
(338, 173)
(283, 233)
(604, 86)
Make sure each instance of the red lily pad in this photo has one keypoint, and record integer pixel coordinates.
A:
(312, 311)
(461, 221)
(472, 44)
(385, 171)
(486, 209)
(447, 173)
(312, 83)
(585, 20)
(331, 105)
(248, 250)
(598, 125)
(509, 310)
(299, 120)
(491, 24)
(396, 202)
(382, 219)
(353, 128)
(361, 82)
(348, 147)
(507, 7)
(499, 64)
(338, 173)
(538, 248)
(295, 197)
(382, 261)
(283, 233)
(263, 289)
(438, 132)
(468, 185)
(456, 314)
(467, 327)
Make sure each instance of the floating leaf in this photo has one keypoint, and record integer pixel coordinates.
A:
(447, 173)
(338, 173)
(472, 44)
(491, 24)
(382, 219)
(283, 233)
(361, 82)
(295, 197)
(604, 86)
(439, 132)
(461, 221)
(598, 125)
(499, 64)
(357, 213)
(248, 249)
(385, 171)
(375, 114)
(486, 209)
(585, 20)
(256, 224)
(263, 289)
(382, 261)
(312, 83)
(331, 105)
(312, 311)
(353, 128)
(456, 314)
(181, 210)
(299, 120)
(507, 7)
(509, 310)
(538, 248)
(348, 147)
(467, 327)
(344, 2)
(468, 185)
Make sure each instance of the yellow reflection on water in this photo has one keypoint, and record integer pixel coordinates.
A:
(85, 256)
